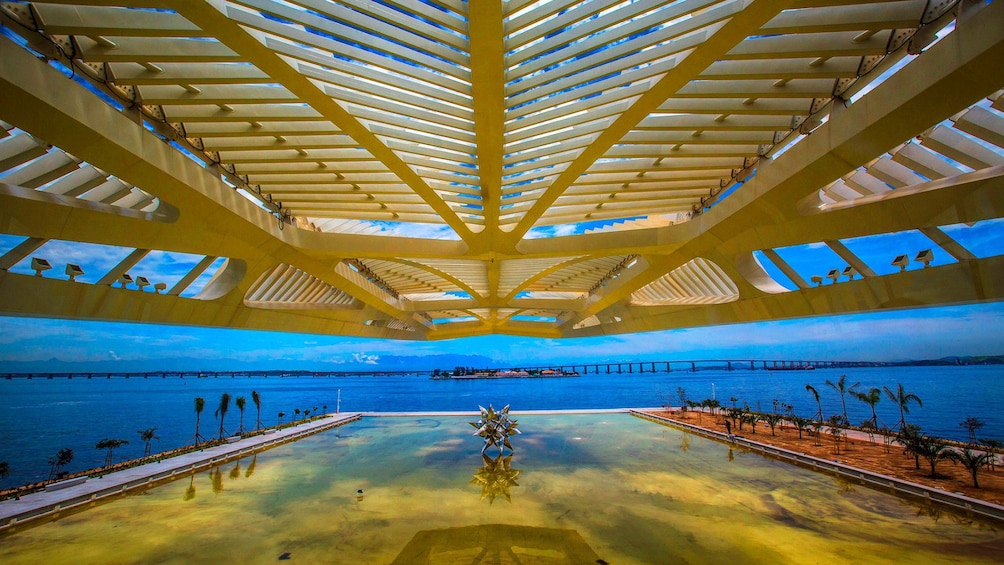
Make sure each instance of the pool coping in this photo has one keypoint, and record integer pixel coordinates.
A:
(85, 493)
(952, 500)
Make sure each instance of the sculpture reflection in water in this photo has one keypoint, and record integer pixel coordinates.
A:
(495, 428)
(496, 477)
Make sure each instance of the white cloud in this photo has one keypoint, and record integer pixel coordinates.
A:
(113, 355)
(365, 359)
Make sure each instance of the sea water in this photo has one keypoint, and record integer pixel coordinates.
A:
(38, 417)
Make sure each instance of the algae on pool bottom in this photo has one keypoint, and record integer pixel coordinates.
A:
(581, 488)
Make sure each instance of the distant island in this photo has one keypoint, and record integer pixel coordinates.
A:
(467, 373)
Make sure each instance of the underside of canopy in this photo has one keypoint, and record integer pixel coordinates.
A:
(433, 169)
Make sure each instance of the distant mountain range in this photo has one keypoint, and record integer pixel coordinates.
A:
(366, 363)
(357, 363)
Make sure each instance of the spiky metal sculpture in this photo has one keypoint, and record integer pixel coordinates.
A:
(495, 428)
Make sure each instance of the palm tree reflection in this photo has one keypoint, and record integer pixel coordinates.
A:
(190, 491)
(496, 477)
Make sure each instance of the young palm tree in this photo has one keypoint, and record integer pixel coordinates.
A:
(973, 461)
(200, 404)
(296, 414)
(240, 402)
(111, 445)
(836, 431)
(772, 420)
(819, 407)
(841, 387)
(147, 435)
(257, 404)
(934, 450)
(871, 398)
(281, 416)
(221, 412)
(4, 469)
(902, 399)
(972, 425)
(58, 461)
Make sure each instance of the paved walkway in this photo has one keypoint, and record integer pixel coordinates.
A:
(83, 491)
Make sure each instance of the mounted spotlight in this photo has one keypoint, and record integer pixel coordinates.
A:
(142, 281)
(833, 275)
(925, 257)
(849, 272)
(818, 280)
(73, 271)
(39, 265)
(159, 287)
(901, 261)
(125, 279)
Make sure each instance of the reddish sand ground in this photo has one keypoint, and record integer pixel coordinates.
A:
(864, 454)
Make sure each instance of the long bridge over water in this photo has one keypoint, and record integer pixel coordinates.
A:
(621, 367)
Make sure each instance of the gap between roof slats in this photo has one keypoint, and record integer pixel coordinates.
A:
(619, 40)
(414, 22)
(419, 70)
(424, 101)
(365, 64)
(605, 23)
(356, 27)
(516, 19)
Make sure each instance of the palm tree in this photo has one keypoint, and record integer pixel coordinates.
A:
(111, 445)
(836, 431)
(909, 436)
(871, 398)
(934, 450)
(281, 416)
(902, 399)
(772, 420)
(296, 414)
(240, 402)
(58, 461)
(4, 469)
(972, 425)
(147, 435)
(973, 461)
(819, 407)
(200, 404)
(841, 387)
(221, 412)
(257, 404)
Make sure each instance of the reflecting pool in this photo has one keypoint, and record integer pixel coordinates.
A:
(579, 489)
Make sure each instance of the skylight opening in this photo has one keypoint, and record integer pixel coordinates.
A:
(440, 321)
(253, 199)
(878, 251)
(200, 283)
(773, 271)
(536, 319)
(983, 239)
(406, 229)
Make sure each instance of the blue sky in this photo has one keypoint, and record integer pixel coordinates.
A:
(44, 344)
(926, 333)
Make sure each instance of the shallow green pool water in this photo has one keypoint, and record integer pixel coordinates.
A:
(580, 488)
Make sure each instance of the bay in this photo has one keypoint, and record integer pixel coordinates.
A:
(38, 417)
